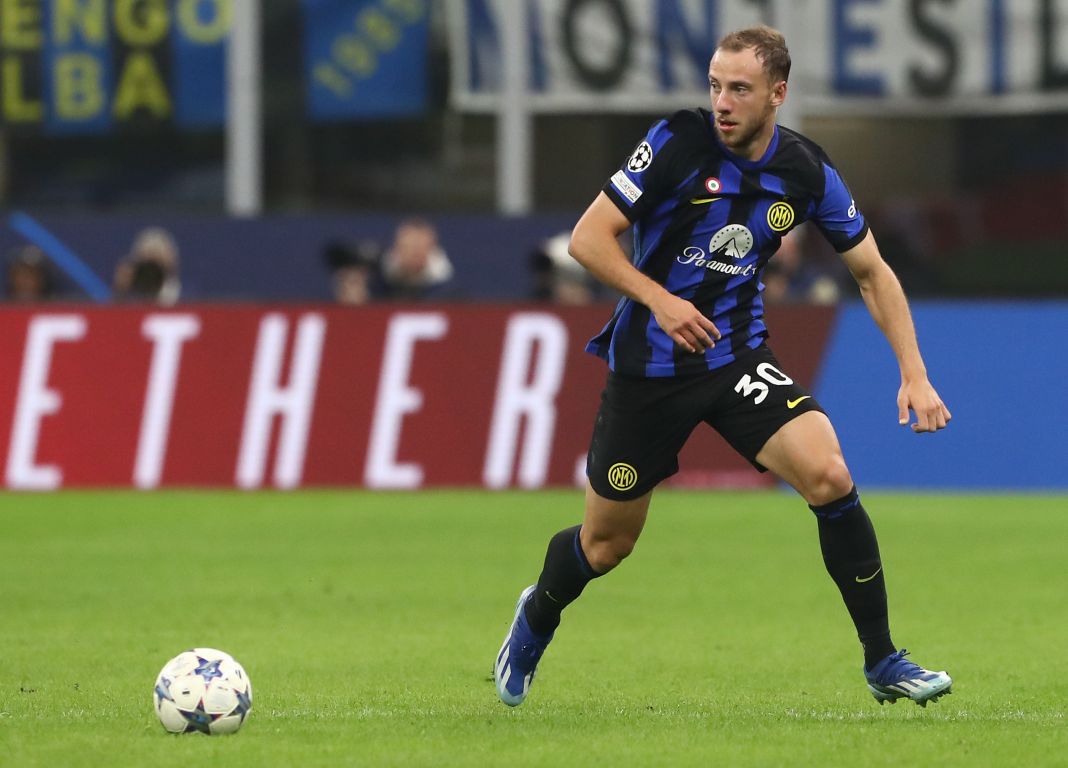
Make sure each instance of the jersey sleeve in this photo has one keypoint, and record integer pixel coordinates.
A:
(837, 215)
(653, 169)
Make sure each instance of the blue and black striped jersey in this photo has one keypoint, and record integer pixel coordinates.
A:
(705, 224)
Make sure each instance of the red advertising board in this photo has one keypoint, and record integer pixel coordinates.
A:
(293, 396)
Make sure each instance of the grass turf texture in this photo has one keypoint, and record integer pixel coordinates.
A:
(368, 624)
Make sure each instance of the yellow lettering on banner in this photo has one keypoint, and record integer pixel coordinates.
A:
(379, 28)
(410, 11)
(20, 25)
(328, 76)
(78, 86)
(354, 55)
(141, 88)
(383, 32)
(205, 33)
(17, 108)
(88, 16)
(141, 22)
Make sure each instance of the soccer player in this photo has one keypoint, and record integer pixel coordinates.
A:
(709, 195)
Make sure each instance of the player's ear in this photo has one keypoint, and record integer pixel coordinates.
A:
(778, 93)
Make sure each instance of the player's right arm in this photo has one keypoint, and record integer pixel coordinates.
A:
(595, 245)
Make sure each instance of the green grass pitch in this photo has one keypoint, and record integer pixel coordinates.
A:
(368, 624)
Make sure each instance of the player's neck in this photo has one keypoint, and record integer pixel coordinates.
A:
(759, 145)
(755, 151)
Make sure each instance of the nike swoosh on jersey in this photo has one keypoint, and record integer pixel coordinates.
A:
(861, 581)
(791, 404)
(701, 200)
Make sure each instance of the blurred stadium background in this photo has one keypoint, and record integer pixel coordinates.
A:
(199, 194)
(318, 245)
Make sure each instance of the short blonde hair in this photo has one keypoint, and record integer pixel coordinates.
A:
(769, 46)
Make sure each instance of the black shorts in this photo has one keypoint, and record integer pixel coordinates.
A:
(644, 422)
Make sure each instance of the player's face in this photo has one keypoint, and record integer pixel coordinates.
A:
(743, 101)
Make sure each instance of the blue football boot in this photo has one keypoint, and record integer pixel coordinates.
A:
(518, 658)
(895, 678)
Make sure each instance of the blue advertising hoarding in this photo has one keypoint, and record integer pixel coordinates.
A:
(999, 369)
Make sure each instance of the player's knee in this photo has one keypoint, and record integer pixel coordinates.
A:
(606, 553)
(831, 482)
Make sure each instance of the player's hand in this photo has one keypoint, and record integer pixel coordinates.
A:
(686, 326)
(921, 397)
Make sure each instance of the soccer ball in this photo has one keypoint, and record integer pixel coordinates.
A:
(203, 690)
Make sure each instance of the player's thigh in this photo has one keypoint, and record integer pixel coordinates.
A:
(754, 398)
(805, 453)
(610, 528)
(640, 428)
(610, 518)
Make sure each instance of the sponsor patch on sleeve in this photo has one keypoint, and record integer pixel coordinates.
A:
(626, 187)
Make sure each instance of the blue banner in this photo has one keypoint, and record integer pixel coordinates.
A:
(365, 58)
(198, 47)
(90, 67)
(77, 54)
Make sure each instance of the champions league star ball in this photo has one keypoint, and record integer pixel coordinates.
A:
(203, 690)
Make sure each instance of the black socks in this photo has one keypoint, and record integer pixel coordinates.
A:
(851, 554)
(564, 576)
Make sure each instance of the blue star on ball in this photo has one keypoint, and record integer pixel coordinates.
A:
(208, 669)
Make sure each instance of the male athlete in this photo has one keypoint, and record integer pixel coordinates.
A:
(710, 196)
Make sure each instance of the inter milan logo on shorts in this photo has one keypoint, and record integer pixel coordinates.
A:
(780, 217)
(641, 158)
(622, 476)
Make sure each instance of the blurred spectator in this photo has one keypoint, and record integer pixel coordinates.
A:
(799, 274)
(781, 271)
(416, 267)
(353, 270)
(29, 275)
(907, 242)
(150, 271)
(557, 276)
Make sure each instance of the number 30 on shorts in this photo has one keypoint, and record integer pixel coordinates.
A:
(769, 373)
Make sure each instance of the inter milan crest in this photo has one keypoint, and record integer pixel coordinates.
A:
(780, 216)
(641, 158)
(622, 476)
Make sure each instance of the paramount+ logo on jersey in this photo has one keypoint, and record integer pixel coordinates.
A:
(729, 245)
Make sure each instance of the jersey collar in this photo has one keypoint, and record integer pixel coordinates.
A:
(740, 161)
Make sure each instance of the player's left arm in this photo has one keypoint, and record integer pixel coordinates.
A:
(882, 293)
